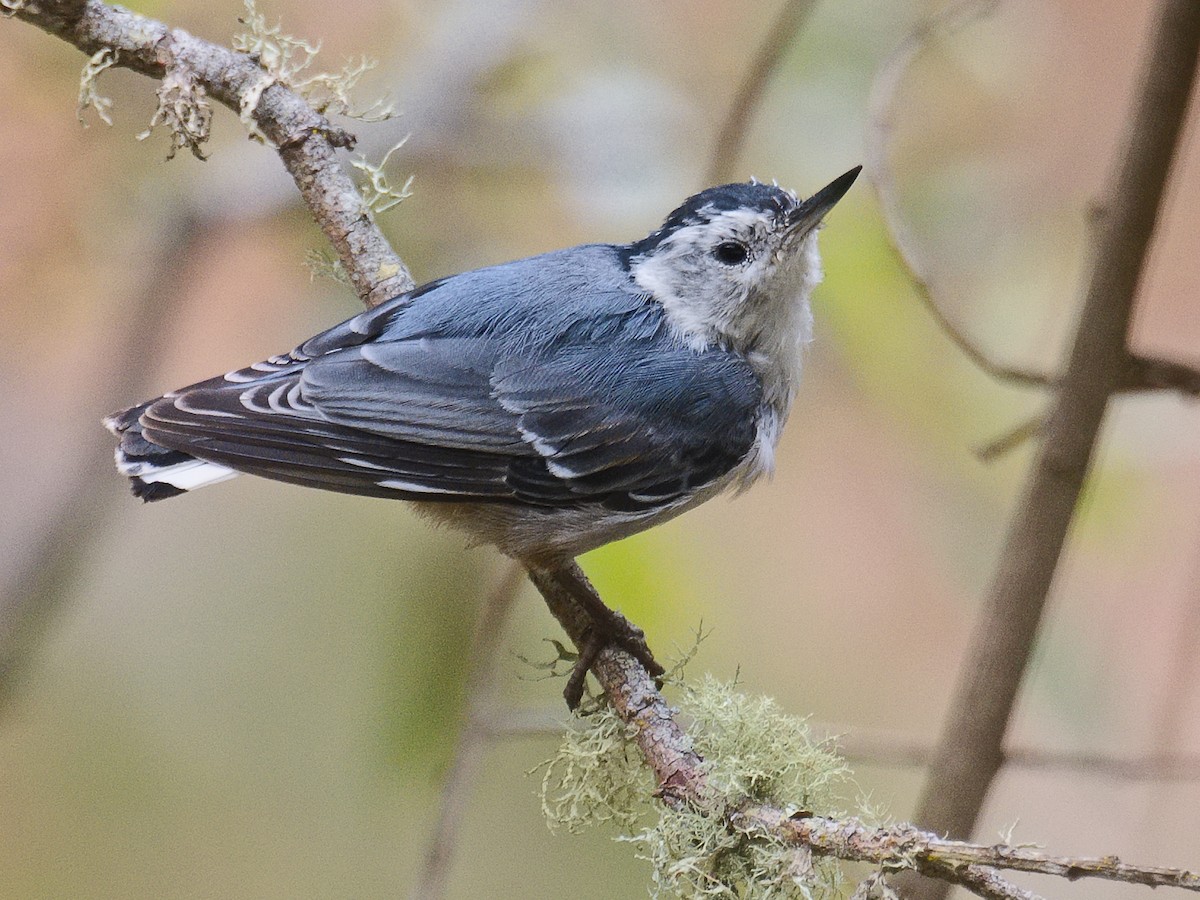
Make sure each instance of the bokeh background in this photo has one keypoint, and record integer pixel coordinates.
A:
(254, 691)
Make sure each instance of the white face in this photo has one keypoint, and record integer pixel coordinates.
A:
(735, 277)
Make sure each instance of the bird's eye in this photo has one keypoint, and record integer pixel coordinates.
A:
(731, 253)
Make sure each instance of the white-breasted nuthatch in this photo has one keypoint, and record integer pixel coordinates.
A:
(547, 406)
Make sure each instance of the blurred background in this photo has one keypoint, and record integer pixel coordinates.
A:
(255, 691)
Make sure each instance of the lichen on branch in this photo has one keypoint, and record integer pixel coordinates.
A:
(754, 753)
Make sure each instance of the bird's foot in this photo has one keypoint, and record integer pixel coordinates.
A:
(615, 631)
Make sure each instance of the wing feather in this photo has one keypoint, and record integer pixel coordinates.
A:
(622, 414)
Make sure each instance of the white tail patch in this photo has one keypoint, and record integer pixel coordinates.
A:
(186, 476)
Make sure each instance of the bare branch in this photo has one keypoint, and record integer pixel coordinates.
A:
(1147, 373)
(969, 750)
(732, 137)
(59, 541)
(432, 881)
(895, 750)
(935, 856)
(305, 140)
(879, 131)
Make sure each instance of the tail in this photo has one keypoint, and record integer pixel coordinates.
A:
(156, 472)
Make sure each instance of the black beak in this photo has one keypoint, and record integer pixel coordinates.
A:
(805, 217)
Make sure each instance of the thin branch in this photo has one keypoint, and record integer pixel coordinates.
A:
(1142, 375)
(1148, 373)
(881, 125)
(432, 881)
(732, 136)
(52, 554)
(881, 748)
(895, 750)
(969, 750)
(1012, 439)
(682, 781)
(305, 140)
(932, 855)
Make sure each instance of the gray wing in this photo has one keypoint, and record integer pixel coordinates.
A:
(619, 413)
(453, 419)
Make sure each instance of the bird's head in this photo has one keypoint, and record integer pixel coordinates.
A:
(734, 265)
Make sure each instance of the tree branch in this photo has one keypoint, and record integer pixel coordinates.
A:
(434, 876)
(932, 855)
(682, 780)
(305, 140)
(732, 136)
(969, 751)
(882, 105)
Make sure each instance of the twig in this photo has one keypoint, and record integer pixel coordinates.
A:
(969, 751)
(894, 750)
(53, 553)
(1143, 374)
(305, 140)
(432, 880)
(1147, 373)
(681, 778)
(732, 135)
(882, 107)
(932, 855)
(887, 749)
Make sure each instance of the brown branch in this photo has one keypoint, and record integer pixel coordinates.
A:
(51, 555)
(682, 781)
(969, 751)
(1147, 373)
(881, 124)
(305, 140)
(432, 880)
(849, 839)
(732, 135)
(895, 750)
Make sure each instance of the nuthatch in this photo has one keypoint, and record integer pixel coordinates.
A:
(547, 406)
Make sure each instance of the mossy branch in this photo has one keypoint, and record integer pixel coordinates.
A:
(266, 90)
(683, 781)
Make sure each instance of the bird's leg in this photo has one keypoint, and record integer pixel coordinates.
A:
(591, 624)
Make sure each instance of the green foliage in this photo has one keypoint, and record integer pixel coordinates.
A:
(752, 751)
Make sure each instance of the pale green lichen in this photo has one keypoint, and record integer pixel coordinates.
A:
(329, 93)
(378, 193)
(596, 776)
(752, 751)
(287, 59)
(282, 55)
(323, 264)
(89, 97)
(184, 108)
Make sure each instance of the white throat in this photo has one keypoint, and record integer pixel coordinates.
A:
(770, 323)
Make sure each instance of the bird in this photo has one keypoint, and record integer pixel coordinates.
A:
(546, 406)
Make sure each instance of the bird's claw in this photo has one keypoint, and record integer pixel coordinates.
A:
(617, 632)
